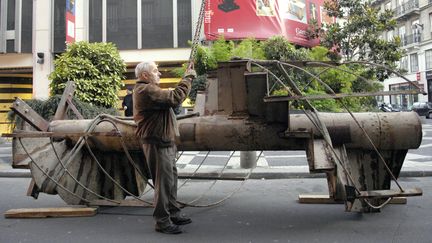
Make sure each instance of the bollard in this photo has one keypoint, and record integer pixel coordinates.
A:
(248, 159)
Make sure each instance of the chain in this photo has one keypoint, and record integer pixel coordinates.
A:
(197, 34)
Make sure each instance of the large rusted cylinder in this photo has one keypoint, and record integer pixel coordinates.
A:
(399, 130)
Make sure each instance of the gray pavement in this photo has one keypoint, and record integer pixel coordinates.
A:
(271, 165)
(261, 211)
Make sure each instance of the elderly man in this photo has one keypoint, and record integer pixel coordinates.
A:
(157, 129)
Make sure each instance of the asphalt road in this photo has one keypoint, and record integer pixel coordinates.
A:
(262, 211)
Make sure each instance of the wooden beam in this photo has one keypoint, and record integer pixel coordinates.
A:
(63, 104)
(391, 193)
(29, 115)
(325, 199)
(50, 212)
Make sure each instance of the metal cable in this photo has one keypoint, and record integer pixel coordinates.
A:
(48, 176)
(355, 120)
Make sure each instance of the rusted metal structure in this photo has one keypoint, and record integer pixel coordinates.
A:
(92, 160)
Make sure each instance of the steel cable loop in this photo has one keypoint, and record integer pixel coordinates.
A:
(332, 149)
(355, 120)
(73, 178)
(48, 176)
(229, 195)
(125, 149)
(379, 206)
(214, 181)
(107, 174)
(316, 123)
(195, 171)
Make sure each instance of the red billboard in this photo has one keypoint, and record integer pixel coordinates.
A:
(261, 19)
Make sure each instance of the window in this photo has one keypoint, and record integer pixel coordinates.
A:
(388, 6)
(184, 22)
(95, 21)
(390, 35)
(157, 24)
(122, 23)
(402, 35)
(414, 62)
(16, 25)
(428, 57)
(404, 63)
(59, 26)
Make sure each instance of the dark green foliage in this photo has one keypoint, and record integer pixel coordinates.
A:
(200, 83)
(96, 68)
(47, 109)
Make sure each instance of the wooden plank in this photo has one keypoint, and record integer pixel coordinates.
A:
(50, 212)
(29, 115)
(391, 193)
(62, 107)
(325, 199)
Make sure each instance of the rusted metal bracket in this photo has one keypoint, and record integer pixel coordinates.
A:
(66, 103)
(29, 115)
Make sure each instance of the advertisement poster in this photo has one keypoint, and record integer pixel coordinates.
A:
(262, 19)
(70, 21)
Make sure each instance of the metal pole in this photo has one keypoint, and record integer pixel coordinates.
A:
(248, 159)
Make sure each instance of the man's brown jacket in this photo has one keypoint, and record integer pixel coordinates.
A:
(151, 108)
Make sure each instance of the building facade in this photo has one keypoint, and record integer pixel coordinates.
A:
(33, 32)
(414, 27)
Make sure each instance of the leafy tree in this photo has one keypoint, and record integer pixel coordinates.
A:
(222, 49)
(357, 35)
(96, 68)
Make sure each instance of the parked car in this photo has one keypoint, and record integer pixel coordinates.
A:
(389, 108)
(423, 108)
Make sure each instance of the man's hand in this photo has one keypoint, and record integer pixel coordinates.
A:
(190, 73)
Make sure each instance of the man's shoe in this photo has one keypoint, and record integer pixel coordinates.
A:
(181, 220)
(170, 229)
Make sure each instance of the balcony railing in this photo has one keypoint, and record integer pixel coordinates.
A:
(407, 7)
(411, 39)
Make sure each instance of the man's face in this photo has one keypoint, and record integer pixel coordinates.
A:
(154, 75)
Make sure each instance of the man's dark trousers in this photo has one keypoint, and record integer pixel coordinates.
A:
(161, 161)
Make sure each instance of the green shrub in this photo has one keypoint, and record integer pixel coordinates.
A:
(249, 48)
(47, 109)
(96, 68)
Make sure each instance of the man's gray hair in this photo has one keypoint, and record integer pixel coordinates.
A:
(143, 67)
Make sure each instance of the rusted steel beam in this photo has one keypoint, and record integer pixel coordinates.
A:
(338, 96)
(59, 135)
(29, 115)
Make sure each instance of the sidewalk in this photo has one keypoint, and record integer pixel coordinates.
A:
(410, 168)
